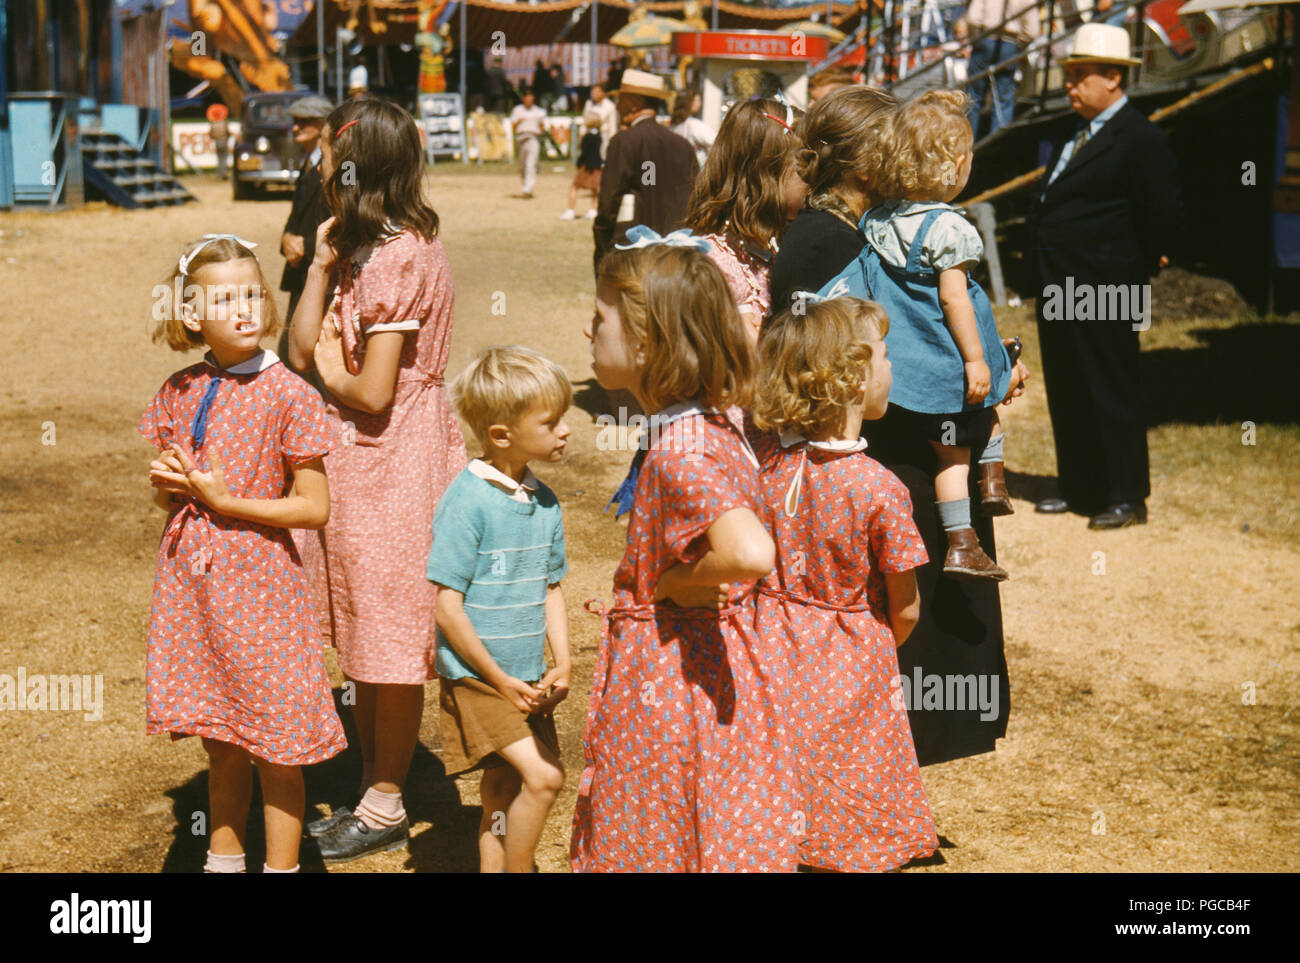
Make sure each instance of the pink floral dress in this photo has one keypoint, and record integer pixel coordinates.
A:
(688, 765)
(841, 521)
(388, 470)
(749, 276)
(232, 651)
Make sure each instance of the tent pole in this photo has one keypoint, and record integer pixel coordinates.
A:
(464, 94)
(320, 46)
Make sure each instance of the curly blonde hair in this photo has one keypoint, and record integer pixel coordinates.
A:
(813, 361)
(925, 138)
(675, 302)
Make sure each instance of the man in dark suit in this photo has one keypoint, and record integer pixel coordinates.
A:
(645, 160)
(1107, 217)
(298, 243)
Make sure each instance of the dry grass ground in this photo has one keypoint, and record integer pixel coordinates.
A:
(1133, 744)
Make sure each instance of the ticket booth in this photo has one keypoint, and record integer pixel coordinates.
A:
(740, 64)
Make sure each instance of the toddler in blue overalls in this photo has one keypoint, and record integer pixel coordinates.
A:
(950, 366)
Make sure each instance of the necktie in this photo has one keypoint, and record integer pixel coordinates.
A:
(199, 430)
(1081, 138)
(625, 497)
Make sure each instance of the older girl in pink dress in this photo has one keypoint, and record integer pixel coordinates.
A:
(843, 595)
(375, 320)
(746, 193)
(232, 642)
(687, 763)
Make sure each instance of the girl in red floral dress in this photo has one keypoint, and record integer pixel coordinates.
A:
(233, 655)
(843, 595)
(375, 321)
(687, 763)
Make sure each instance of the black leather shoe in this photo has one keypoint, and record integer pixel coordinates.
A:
(1052, 506)
(351, 839)
(1120, 516)
(320, 827)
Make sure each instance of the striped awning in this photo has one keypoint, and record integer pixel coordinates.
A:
(527, 24)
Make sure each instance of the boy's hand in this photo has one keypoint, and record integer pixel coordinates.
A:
(690, 596)
(557, 680)
(520, 694)
(977, 381)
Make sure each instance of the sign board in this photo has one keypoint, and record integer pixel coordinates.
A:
(192, 142)
(751, 45)
(441, 116)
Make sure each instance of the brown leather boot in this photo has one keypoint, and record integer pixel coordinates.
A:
(994, 497)
(966, 560)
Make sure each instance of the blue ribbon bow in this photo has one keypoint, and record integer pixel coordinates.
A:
(625, 496)
(199, 430)
(642, 236)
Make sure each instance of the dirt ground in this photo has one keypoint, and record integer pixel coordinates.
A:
(1155, 707)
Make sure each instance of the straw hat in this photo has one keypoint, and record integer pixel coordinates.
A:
(643, 83)
(1099, 43)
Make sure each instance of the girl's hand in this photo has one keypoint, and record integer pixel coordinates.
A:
(328, 354)
(977, 381)
(559, 678)
(208, 486)
(690, 596)
(325, 255)
(520, 694)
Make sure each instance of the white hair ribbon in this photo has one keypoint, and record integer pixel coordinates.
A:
(187, 259)
(642, 236)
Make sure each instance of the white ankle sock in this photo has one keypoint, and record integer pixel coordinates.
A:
(380, 810)
(224, 863)
(266, 868)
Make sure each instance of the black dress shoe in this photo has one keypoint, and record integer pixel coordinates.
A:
(1052, 506)
(1120, 516)
(320, 827)
(352, 838)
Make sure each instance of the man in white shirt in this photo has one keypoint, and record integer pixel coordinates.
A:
(608, 113)
(1006, 41)
(527, 119)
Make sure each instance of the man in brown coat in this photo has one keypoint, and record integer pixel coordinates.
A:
(645, 160)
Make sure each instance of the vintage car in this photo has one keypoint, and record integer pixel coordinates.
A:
(266, 155)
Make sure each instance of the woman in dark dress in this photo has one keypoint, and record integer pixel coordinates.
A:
(954, 673)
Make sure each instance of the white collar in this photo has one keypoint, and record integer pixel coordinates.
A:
(258, 362)
(520, 491)
(684, 409)
(791, 438)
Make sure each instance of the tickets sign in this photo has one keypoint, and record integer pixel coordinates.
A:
(751, 45)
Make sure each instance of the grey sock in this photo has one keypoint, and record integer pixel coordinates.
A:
(954, 514)
(993, 450)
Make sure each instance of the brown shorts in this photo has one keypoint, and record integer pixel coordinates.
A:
(477, 721)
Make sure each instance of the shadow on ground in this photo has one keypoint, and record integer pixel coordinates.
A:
(448, 844)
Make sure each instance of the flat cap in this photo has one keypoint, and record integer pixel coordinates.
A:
(311, 108)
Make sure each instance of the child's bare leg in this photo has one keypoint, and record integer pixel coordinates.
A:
(542, 777)
(398, 709)
(363, 713)
(573, 196)
(953, 473)
(230, 791)
(283, 802)
(500, 786)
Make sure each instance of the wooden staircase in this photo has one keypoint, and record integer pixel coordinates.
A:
(125, 176)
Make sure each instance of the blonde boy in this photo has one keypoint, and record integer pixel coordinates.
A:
(498, 558)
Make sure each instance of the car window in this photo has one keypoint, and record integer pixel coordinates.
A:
(269, 113)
